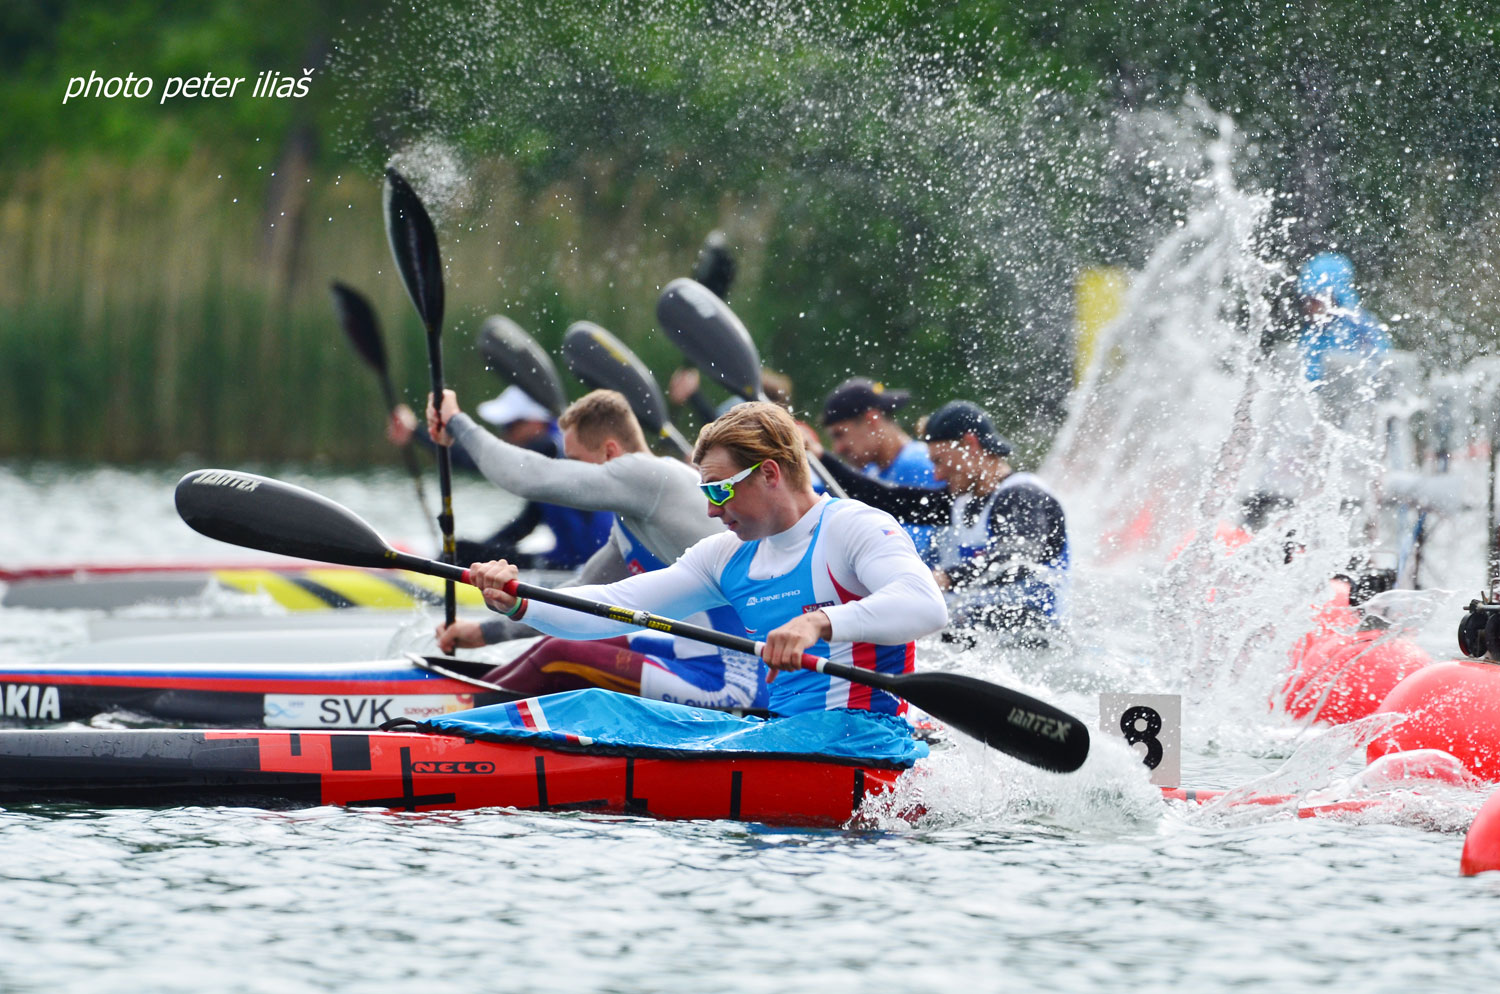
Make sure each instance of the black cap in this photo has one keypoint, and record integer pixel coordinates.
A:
(958, 418)
(857, 395)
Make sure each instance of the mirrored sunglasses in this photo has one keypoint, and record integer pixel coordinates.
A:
(719, 491)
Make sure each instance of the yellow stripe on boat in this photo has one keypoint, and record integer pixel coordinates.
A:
(363, 589)
(323, 589)
(278, 586)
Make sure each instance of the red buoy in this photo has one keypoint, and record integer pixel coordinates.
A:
(1482, 842)
(1452, 706)
(1344, 676)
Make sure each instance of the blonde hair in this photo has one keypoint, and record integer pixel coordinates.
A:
(754, 432)
(603, 414)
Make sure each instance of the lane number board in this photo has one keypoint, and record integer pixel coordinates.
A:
(1151, 724)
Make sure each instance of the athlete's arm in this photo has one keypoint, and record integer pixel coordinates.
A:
(629, 486)
(519, 527)
(606, 565)
(870, 554)
(913, 505)
(686, 587)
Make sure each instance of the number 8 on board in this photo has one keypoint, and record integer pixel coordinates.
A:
(1150, 724)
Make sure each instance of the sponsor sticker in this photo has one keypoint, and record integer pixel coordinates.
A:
(755, 599)
(480, 768)
(222, 479)
(357, 711)
(26, 700)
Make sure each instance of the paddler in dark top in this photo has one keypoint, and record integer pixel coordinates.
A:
(1001, 541)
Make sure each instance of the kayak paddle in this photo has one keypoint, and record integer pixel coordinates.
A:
(414, 246)
(604, 362)
(715, 340)
(715, 269)
(261, 513)
(715, 266)
(515, 355)
(358, 319)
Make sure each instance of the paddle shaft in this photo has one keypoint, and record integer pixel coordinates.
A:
(671, 434)
(1491, 526)
(645, 619)
(670, 626)
(408, 454)
(624, 615)
(445, 479)
(363, 331)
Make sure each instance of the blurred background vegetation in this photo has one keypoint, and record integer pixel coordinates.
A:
(909, 187)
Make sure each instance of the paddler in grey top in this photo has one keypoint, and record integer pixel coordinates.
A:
(658, 506)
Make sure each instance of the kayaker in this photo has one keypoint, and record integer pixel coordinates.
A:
(859, 418)
(526, 424)
(1337, 326)
(1002, 538)
(803, 572)
(656, 512)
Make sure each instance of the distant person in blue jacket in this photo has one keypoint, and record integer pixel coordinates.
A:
(858, 416)
(1337, 326)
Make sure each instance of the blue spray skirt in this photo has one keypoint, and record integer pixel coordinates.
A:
(602, 722)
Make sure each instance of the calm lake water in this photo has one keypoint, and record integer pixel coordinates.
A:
(1015, 880)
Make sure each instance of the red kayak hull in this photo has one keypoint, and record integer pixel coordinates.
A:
(419, 772)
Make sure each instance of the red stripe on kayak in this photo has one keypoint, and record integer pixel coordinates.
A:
(432, 685)
(117, 569)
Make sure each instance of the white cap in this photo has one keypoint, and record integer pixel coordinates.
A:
(513, 404)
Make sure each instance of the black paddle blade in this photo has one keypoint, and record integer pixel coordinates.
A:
(358, 319)
(414, 246)
(515, 355)
(1019, 725)
(715, 266)
(260, 513)
(711, 336)
(604, 362)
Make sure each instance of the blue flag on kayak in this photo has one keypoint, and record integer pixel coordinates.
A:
(602, 721)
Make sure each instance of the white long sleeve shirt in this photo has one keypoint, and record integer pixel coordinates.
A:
(882, 591)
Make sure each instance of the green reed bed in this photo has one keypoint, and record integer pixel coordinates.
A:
(151, 311)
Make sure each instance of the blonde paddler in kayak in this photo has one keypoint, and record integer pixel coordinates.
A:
(836, 578)
(656, 505)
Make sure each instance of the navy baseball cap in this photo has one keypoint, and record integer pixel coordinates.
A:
(958, 418)
(857, 395)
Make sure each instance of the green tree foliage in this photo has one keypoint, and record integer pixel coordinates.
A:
(910, 185)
